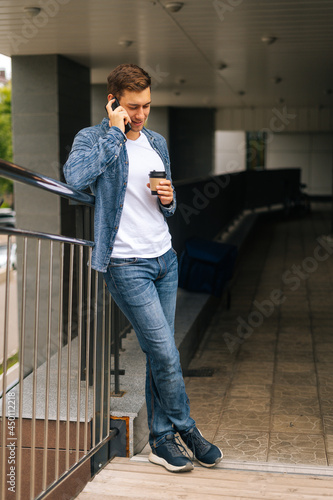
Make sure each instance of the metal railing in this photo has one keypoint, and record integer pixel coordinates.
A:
(55, 410)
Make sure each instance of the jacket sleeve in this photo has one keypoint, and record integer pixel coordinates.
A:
(91, 155)
(170, 209)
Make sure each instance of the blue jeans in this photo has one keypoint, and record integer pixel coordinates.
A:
(146, 290)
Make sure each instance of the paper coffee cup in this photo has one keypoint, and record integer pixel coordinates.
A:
(154, 178)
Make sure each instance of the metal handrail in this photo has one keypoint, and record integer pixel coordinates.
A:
(20, 174)
(45, 236)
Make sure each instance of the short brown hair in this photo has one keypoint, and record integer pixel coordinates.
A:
(127, 77)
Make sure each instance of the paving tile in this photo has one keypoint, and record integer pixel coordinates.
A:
(289, 330)
(307, 378)
(293, 346)
(297, 356)
(326, 403)
(328, 424)
(244, 446)
(249, 391)
(284, 365)
(325, 392)
(300, 324)
(204, 388)
(322, 331)
(253, 367)
(324, 356)
(212, 359)
(294, 391)
(247, 354)
(324, 346)
(259, 343)
(266, 331)
(256, 377)
(321, 325)
(325, 373)
(258, 405)
(264, 338)
(245, 421)
(325, 387)
(296, 405)
(221, 370)
(295, 338)
(297, 424)
(303, 449)
(318, 316)
(329, 443)
(206, 418)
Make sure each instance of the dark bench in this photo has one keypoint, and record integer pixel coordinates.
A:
(207, 266)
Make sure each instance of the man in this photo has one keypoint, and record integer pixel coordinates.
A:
(133, 250)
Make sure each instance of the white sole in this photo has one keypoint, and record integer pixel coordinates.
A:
(171, 468)
(218, 460)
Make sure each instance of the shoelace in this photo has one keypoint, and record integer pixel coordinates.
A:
(175, 447)
(195, 442)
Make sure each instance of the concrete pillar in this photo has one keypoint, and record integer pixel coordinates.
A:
(191, 134)
(98, 101)
(50, 104)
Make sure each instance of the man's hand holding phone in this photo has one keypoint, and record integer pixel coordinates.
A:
(118, 116)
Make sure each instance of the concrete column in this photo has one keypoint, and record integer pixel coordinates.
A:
(191, 135)
(98, 101)
(50, 104)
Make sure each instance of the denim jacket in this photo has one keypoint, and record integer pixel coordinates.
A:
(99, 160)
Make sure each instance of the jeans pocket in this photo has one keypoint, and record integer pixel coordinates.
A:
(123, 262)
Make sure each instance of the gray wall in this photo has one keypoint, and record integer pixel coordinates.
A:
(50, 103)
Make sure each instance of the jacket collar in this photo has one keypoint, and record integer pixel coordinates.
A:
(105, 127)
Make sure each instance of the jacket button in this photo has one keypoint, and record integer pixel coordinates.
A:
(116, 227)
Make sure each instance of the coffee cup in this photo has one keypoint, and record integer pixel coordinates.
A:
(154, 178)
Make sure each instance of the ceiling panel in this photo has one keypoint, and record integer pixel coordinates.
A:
(189, 46)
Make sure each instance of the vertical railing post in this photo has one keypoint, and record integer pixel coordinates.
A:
(59, 352)
(4, 376)
(69, 353)
(48, 361)
(21, 367)
(102, 390)
(35, 365)
(115, 346)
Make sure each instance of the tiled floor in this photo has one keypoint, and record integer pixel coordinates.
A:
(270, 398)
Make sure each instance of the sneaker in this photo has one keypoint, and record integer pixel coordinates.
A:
(169, 454)
(205, 452)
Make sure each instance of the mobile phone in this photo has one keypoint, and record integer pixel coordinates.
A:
(115, 105)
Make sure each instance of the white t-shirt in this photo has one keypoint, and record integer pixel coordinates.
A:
(143, 231)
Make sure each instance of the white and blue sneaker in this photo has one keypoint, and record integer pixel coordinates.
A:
(169, 455)
(206, 453)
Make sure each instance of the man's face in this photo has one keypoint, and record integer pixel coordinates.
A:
(137, 105)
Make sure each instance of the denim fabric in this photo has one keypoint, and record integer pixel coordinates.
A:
(146, 290)
(99, 160)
